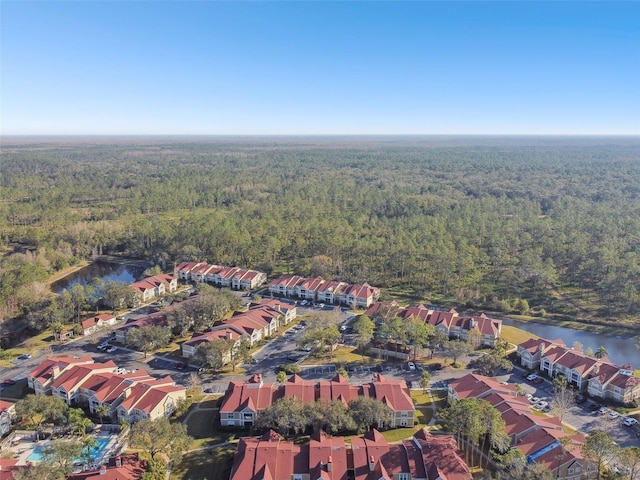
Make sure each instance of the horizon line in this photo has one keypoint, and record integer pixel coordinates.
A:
(23, 135)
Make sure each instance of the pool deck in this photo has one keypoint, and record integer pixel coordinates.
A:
(21, 451)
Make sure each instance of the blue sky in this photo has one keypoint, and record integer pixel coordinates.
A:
(249, 68)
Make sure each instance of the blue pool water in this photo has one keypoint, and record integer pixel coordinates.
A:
(36, 455)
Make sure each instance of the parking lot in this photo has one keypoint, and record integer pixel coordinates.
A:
(584, 417)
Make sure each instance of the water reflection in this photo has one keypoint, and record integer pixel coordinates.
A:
(102, 270)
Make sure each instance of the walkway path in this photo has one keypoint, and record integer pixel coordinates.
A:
(197, 409)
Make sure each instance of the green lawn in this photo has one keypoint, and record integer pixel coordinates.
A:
(400, 434)
(515, 335)
(203, 426)
(212, 464)
(341, 355)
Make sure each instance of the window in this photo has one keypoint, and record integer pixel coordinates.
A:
(403, 476)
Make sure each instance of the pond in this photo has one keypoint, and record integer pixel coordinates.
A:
(102, 270)
(622, 350)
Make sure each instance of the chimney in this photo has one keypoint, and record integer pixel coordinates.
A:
(118, 461)
(372, 463)
(103, 470)
(229, 335)
(127, 392)
(55, 371)
(329, 464)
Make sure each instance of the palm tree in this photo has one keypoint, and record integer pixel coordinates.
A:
(601, 352)
(89, 442)
(102, 411)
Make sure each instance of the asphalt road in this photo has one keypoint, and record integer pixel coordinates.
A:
(283, 349)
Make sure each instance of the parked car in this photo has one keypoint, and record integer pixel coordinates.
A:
(629, 421)
(593, 407)
(613, 414)
(580, 398)
(304, 303)
(538, 381)
(532, 377)
(602, 410)
(9, 381)
(111, 349)
(24, 356)
(411, 366)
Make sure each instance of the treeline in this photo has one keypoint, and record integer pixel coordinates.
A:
(481, 224)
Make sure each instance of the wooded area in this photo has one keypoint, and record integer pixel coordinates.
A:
(536, 225)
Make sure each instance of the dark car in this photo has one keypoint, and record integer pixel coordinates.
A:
(580, 399)
(9, 381)
(593, 407)
(538, 381)
(378, 368)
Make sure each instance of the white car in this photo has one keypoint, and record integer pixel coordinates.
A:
(111, 349)
(629, 421)
(532, 377)
(304, 303)
(411, 366)
(613, 414)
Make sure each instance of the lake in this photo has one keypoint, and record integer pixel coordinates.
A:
(103, 270)
(622, 350)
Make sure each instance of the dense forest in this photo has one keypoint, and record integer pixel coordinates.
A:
(547, 226)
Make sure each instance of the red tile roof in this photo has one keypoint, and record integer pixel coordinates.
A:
(240, 395)
(76, 374)
(377, 307)
(416, 311)
(90, 322)
(473, 385)
(114, 387)
(44, 372)
(394, 393)
(132, 468)
(7, 467)
(145, 396)
(326, 457)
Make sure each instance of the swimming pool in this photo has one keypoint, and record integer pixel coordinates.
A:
(36, 455)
